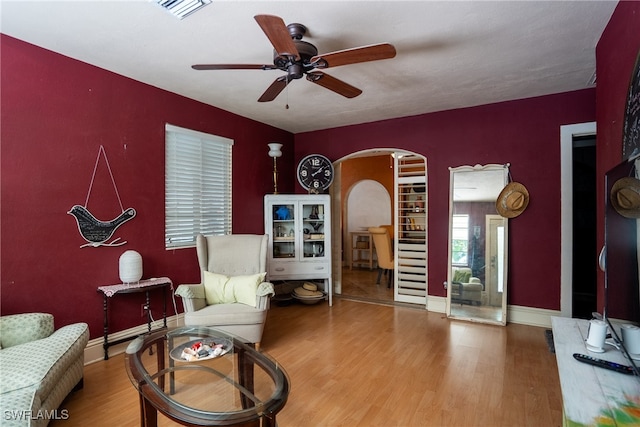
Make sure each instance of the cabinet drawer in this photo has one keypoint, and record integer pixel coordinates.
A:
(299, 268)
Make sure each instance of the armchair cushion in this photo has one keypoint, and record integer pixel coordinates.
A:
(222, 289)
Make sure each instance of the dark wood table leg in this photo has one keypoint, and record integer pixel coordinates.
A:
(105, 343)
(245, 374)
(149, 414)
(269, 422)
(160, 359)
(164, 305)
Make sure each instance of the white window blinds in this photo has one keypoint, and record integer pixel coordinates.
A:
(197, 186)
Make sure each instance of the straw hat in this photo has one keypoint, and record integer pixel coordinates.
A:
(308, 290)
(513, 200)
(625, 197)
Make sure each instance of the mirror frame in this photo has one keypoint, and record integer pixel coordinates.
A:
(476, 168)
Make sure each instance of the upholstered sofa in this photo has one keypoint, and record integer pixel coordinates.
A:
(465, 287)
(39, 367)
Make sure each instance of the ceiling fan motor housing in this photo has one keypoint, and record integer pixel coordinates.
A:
(296, 69)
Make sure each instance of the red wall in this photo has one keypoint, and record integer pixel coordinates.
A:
(56, 112)
(616, 53)
(525, 133)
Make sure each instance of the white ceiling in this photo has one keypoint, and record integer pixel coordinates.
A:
(449, 54)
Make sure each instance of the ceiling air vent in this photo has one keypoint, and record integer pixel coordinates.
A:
(182, 8)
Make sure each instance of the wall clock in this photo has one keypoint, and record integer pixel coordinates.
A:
(315, 173)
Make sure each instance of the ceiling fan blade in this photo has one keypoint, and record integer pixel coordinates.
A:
(278, 34)
(233, 67)
(274, 90)
(331, 83)
(354, 55)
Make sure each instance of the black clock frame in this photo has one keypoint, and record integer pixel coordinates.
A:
(311, 165)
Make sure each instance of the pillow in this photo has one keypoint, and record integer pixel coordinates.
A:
(221, 289)
(461, 276)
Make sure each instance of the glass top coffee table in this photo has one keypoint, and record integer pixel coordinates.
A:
(202, 376)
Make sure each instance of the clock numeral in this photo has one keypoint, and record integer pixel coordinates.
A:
(304, 172)
(316, 184)
(327, 172)
(315, 161)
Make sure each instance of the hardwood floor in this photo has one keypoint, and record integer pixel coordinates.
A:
(360, 283)
(366, 364)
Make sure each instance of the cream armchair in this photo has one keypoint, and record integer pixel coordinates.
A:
(232, 294)
(465, 287)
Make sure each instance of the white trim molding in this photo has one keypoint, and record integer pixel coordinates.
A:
(94, 352)
(567, 133)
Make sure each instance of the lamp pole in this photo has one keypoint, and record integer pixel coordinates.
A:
(275, 152)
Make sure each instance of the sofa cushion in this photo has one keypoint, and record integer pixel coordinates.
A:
(21, 328)
(461, 275)
(19, 406)
(42, 362)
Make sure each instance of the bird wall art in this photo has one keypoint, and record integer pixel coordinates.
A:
(93, 230)
(97, 232)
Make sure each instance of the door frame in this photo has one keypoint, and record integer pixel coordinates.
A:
(567, 134)
(337, 215)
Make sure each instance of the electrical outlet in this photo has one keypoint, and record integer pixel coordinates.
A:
(143, 310)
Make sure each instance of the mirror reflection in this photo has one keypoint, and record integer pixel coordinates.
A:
(477, 280)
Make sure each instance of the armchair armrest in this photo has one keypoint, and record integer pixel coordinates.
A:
(21, 328)
(263, 295)
(192, 297)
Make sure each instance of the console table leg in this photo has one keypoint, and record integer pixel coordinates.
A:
(148, 305)
(105, 344)
(164, 306)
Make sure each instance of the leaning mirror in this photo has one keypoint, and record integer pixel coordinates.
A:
(478, 248)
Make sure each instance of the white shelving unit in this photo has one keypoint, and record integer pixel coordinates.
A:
(299, 229)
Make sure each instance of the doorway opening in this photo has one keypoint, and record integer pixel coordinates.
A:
(396, 176)
(569, 133)
(584, 300)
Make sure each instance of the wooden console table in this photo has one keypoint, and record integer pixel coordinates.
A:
(592, 396)
(145, 286)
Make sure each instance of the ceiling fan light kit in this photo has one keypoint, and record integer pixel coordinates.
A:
(181, 8)
(298, 58)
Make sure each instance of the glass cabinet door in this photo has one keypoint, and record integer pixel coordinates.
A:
(313, 230)
(284, 232)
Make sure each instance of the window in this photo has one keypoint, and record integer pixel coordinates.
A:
(197, 186)
(460, 240)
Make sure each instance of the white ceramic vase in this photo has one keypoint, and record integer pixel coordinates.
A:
(130, 267)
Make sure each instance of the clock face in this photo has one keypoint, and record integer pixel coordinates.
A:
(315, 172)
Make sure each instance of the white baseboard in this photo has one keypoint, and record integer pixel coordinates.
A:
(531, 316)
(515, 313)
(94, 352)
(437, 304)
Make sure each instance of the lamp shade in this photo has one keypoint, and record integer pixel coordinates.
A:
(130, 267)
(274, 149)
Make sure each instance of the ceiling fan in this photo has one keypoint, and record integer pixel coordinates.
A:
(299, 58)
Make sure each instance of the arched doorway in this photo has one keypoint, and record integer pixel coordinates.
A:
(405, 181)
